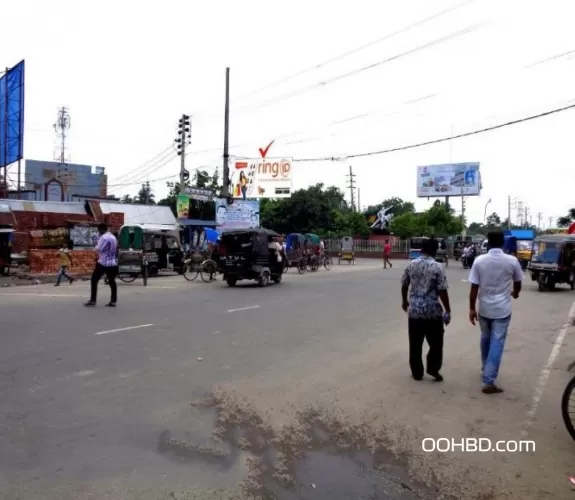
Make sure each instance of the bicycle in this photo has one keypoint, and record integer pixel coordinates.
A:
(326, 261)
(568, 404)
(207, 269)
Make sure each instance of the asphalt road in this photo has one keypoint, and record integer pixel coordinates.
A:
(302, 390)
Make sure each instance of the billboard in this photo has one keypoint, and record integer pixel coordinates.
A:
(241, 214)
(262, 178)
(451, 179)
(12, 115)
(188, 207)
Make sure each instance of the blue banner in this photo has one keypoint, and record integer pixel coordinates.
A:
(12, 115)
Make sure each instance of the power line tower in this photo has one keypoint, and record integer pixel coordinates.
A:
(351, 187)
(184, 139)
(61, 127)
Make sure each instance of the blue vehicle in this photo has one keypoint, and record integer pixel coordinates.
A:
(415, 245)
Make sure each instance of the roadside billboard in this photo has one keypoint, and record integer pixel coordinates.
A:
(241, 214)
(451, 179)
(262, 178)
(12, 115)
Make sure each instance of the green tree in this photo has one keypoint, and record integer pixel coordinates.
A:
(397, 205)
(408, 225)
(492, 221)
(127, 199)
(476, 228)
(567, 220)
(201, 179)
(145, 195)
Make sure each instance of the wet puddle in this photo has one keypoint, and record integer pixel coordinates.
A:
(318, 457)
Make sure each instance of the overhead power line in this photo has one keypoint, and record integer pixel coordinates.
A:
(357, 49)
(437, 141)
(376, 64)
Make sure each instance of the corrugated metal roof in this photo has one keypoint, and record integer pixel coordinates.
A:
(54, 207)
(141, 214)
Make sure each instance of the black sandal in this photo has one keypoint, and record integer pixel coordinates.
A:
(492, 389)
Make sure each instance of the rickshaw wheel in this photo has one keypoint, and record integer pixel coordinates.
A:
(190, 273)
(277, 279)
(145, 275)
(208, 271)
(301, 266)
(572, 280)
(264, 279)
(127, 277)
(327, 263)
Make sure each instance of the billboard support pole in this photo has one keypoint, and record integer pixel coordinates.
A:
(6, 111)
(226, 169)
(19, 176)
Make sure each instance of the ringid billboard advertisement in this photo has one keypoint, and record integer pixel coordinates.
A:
(451, 179)
(262, 178)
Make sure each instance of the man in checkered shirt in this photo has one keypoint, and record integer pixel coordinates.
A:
(107, 264)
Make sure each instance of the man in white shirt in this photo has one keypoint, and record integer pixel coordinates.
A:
(496, 277)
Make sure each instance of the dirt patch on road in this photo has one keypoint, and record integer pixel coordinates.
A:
(320, 455)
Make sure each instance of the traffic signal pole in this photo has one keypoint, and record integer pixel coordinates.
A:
(184, 135)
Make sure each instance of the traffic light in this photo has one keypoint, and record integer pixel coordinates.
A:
(184, 133)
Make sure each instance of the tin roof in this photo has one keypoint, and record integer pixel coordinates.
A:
(157, 215)
(54, 207)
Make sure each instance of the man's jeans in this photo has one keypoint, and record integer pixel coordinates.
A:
(493, 335)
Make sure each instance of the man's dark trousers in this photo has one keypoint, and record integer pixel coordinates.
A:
(111, 272)
(431, 330)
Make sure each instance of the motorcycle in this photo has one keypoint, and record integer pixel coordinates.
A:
(467, 261)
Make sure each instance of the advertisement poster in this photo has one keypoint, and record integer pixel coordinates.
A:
(182, 206)
(452, 179)
(48, 238)
(84, 236)
(241, 214)
(262, 178)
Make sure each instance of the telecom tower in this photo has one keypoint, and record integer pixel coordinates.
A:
(61, 127)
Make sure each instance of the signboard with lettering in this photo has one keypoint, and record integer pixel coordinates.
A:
(48, 238)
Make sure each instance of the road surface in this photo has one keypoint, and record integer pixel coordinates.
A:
(301, 390)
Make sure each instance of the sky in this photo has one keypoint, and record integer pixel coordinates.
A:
(322, 79)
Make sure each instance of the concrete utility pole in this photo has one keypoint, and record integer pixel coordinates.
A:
(550, 222)
(226, 186)
(539, 218)
(184, 138)
(351, 187)
(358, 202)
(509, 212)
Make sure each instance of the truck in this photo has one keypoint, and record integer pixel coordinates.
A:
(525, 239)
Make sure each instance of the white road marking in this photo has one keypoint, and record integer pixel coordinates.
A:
(37, 295)
(84, 373)
(546, 371)
(243, 309)
(126, 328)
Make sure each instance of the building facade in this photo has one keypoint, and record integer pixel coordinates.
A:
(54, 181)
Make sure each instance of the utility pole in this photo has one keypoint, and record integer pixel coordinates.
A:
(509, 212)
(550, 222)
(526, 217)
(539, 218)
(351, 187)
(226, 187)
(184, 138)
(358, 203)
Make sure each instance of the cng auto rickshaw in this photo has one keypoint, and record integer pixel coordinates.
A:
(244, 254)
(6, 237)
(553, 261)
(415, 246)
(347, 254)
(147, 250)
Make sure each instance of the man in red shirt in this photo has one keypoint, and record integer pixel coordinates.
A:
(386, 254)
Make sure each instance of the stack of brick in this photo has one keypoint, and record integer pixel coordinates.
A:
(48, 261)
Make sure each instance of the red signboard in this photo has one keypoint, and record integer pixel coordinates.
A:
(571, 229)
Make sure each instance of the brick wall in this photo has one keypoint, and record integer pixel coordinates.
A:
(48, 261)
(24, 222)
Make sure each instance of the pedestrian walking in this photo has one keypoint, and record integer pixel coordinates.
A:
(65, 264)
(425, 282)
(386, 254)
(106, 264)
(495, 277)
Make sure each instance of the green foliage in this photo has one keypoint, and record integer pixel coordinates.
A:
(438, 221)
(398, 206)
(201, 179)
(567, 220)
(145, 195)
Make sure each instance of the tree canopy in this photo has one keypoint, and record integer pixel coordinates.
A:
(568, 219)
(439, 221)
